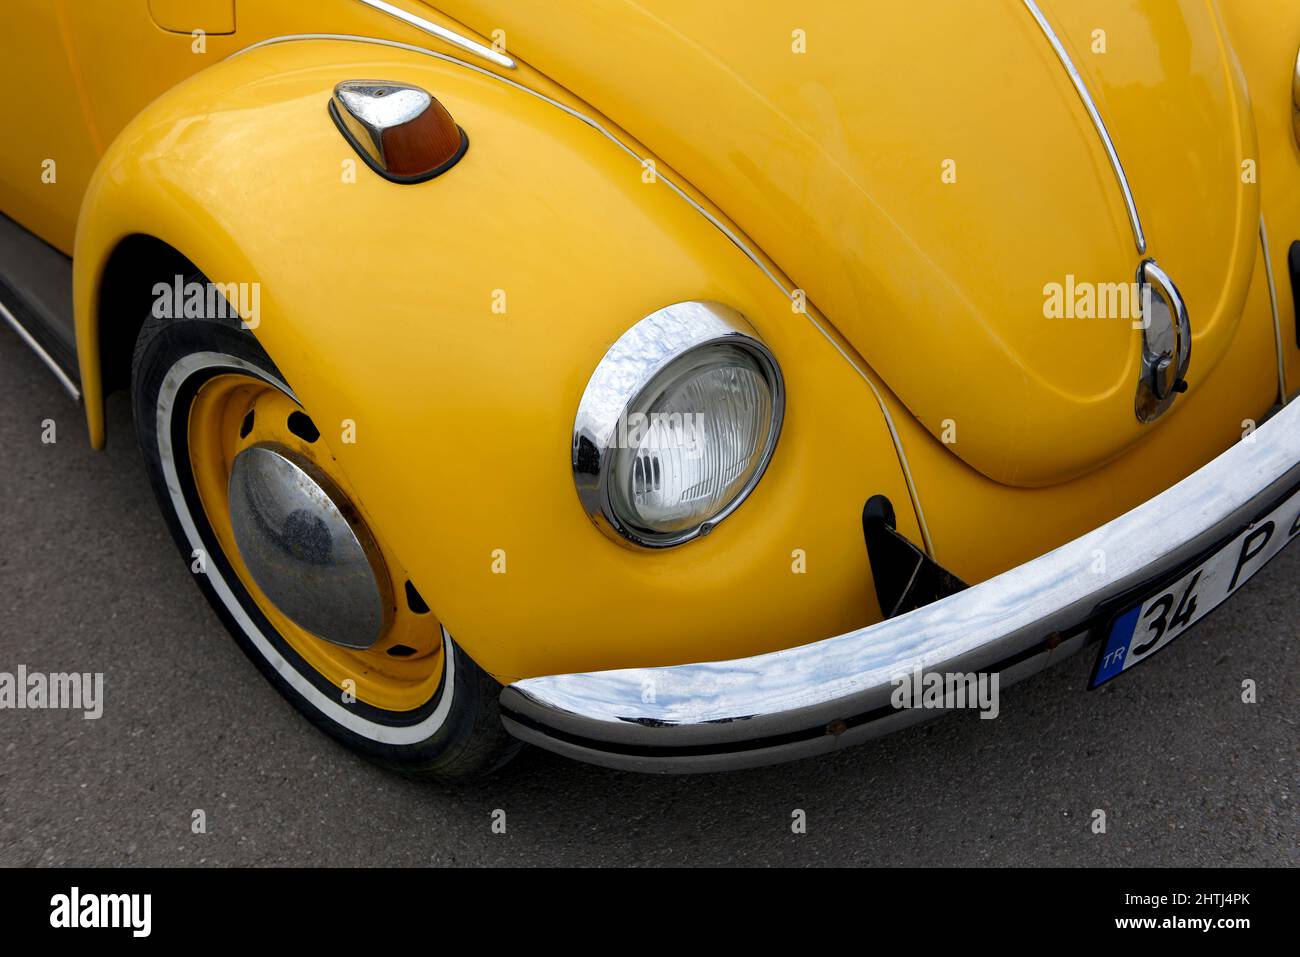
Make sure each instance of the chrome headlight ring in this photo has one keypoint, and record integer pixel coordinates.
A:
(689, 352)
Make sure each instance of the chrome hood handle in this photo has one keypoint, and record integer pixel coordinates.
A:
(1166, 342)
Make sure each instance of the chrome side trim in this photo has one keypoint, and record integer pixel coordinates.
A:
(68, 385)
(1081, 87)
(739, 243)
(1277, 316)
(821, 696)
(442, 33)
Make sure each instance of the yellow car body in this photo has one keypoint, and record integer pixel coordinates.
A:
(882, 190)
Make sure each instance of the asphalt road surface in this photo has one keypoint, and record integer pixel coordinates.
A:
(1186, 773)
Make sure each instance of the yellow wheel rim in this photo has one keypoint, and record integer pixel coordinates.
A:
(232, 412)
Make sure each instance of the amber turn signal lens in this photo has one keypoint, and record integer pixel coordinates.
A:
(402, 132)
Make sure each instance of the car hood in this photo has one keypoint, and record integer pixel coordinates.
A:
(929, 176)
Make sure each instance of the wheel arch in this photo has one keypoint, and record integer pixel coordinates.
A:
(132, 234)
(125, 296)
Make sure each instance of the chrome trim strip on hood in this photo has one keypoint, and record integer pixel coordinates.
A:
(1076, 78)
(442, 33)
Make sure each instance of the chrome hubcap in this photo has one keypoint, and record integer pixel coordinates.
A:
(306, 547)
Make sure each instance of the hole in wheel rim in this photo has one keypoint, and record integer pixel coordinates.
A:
(414, 601)
(302, 426)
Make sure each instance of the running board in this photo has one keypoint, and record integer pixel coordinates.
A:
(36, 301)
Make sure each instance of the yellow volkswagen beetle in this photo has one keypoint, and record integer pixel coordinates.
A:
(668, 384)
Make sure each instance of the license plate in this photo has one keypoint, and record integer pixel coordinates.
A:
(1144, 629)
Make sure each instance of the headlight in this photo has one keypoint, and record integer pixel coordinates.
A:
(677, 424)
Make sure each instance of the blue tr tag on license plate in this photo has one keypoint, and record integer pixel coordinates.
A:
(1140, 632)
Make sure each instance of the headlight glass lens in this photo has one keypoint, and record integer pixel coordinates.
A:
(692, 441)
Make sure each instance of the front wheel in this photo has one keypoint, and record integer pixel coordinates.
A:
(279, 544)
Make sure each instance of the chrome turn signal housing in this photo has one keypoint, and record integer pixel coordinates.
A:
(402, 132)
(676, 425)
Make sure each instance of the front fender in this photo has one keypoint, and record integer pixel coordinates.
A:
(456, 323)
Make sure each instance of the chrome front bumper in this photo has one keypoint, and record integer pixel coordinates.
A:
(836, 692)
